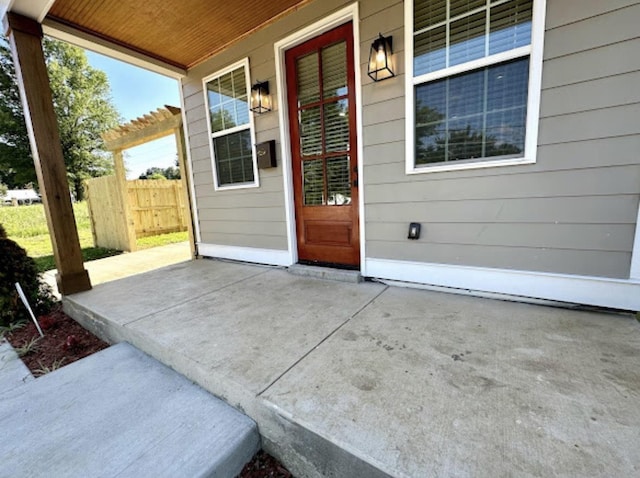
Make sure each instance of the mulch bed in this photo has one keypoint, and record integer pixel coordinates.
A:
(66, 341)
(264, 465)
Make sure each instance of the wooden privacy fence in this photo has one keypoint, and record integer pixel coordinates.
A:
(157, 206)
(146, 208)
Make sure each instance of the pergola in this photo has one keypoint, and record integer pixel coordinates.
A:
(166, 36)
(149, 127)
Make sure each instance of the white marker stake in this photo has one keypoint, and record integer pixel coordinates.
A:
(26, 304)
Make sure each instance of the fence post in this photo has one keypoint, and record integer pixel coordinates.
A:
(129, 226)
(87, 192)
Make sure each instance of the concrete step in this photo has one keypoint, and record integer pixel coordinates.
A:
(121, 413)
(327, 273)
(13, 372)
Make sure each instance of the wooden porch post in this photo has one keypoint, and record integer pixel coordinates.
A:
(25, 38)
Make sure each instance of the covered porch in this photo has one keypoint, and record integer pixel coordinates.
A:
(370, 380)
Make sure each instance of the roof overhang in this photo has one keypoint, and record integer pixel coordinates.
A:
(165, 36)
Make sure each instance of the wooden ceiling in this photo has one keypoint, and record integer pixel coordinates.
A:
(181, 33)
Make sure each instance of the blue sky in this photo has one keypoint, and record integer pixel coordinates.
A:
(135, 92)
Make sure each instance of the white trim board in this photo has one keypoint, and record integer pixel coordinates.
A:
(34, 9)
(595, 291)
(189, 166)
(349, 13)
(246, 254)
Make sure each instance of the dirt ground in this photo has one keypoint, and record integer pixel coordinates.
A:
(65, 341)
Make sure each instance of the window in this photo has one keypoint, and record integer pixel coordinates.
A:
(473, 73)
(231, 127)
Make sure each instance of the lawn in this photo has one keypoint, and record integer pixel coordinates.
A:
(28, 227)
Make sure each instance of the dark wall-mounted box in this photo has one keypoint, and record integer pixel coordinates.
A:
(266, 153)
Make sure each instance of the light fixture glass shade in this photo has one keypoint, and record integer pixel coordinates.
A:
(260, 98)
(381, 59)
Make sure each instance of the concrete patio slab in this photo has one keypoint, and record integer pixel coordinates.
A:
(254, 324)
(431, 384)
(365, 380)
(132, 298)
(13, 372)
(129, 264)
(121, 413)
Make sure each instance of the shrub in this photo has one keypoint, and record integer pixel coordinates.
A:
(17, 266)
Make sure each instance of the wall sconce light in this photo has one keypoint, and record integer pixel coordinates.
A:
(380, 59)
(260, 98)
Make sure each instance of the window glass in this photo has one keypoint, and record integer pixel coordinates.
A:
(234, 158)
(473, 115)
(481, 112)
(228, 103)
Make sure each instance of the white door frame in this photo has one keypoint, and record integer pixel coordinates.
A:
(338, 18)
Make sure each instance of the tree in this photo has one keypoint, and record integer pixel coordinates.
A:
(160, 173)
(81, 100)
(16, 164)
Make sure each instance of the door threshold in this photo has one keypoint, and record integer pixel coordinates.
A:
(327, 273)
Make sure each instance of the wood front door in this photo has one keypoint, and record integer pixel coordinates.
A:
(322, 119)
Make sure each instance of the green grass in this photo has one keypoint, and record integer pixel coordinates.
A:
(162, 240)
(28, 227)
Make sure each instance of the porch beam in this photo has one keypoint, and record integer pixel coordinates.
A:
(25, 39)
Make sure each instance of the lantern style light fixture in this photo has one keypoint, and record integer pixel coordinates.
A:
(260, 98)
(380, 59)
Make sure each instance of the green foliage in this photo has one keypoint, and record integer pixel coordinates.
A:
(16, 266)
(44, 369)
(159, 173)
(81, 97)
(16, 165)
(3, 190)
(5, 330)
(162, 239)
(28, 227)
(29, 347)
(46, 263)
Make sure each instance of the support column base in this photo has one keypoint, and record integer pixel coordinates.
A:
(72, 283)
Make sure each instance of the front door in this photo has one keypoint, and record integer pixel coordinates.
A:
(321, 89)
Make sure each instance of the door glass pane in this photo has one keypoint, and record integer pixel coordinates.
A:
(308, 79)
(336, 126)
(310, 131)
(338, 181)
(334, 70)
(313, 182)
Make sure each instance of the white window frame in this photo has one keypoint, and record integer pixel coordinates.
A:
(244, 63)
(534, 50)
